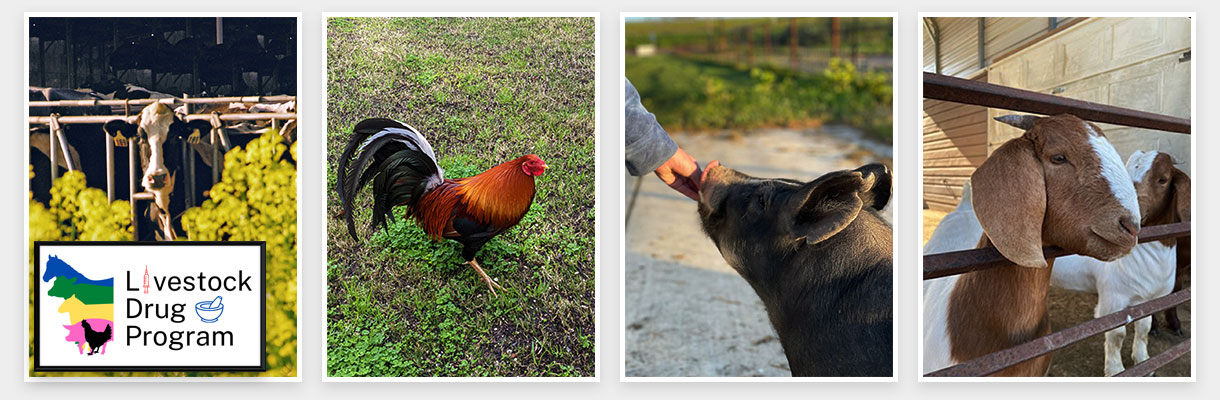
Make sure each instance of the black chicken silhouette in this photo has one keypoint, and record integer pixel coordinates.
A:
(95, 339)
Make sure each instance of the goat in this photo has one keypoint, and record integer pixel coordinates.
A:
(1061, 183)
(1149, 271)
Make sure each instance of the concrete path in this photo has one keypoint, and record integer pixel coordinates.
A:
(687, 312)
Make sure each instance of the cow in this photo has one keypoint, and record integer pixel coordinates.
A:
(156, 126)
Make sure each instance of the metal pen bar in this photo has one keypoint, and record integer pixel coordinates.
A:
(54, 154)
(57, 130)
(1154, 363)
(163, 100)
(965, 91)
(185, 147)
(132, 148)
(994, 362)
(101, 119)
(109, 167)
(212, 138)
(957, 262)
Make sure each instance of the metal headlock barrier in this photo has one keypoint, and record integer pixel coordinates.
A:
(957, 90)
(131, 110)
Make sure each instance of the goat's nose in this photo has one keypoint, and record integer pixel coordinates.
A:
(1128, 224)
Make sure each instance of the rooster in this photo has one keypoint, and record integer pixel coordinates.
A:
(403, 169)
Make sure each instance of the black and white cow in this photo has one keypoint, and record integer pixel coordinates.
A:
(158, 132)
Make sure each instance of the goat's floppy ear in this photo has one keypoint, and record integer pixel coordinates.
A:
(1181, 195)
(1025, 122)
(829, 204)
(879, 195)
(1009, 195)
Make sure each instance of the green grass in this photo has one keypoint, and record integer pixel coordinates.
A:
(484, 91)
(689, 94)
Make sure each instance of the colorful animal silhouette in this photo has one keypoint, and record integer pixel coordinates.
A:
(80, 335)
(97, 339)
(78, 311)
(65, 287)
(57, 268)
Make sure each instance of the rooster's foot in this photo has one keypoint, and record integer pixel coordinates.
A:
(491, 285)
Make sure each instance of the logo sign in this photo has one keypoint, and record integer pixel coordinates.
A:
(150, 306)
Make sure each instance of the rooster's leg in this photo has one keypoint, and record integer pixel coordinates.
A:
(491, 285)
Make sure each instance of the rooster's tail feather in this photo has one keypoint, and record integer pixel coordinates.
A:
(396, 157)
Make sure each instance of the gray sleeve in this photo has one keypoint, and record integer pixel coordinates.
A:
(648, 145)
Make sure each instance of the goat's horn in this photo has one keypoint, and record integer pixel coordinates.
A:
(1020, 121)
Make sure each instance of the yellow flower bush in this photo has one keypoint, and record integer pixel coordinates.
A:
(256, 200)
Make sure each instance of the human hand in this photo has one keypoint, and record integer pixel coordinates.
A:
(681, 172)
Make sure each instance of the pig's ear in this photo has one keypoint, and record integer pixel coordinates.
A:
(830, 204)
(879, 195)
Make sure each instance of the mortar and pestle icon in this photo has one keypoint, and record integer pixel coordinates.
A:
(209, 311)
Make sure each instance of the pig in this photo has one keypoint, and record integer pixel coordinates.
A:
(819, 255)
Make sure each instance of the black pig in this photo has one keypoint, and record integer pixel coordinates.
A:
(821, 258)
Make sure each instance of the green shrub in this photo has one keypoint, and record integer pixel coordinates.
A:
(689, 94)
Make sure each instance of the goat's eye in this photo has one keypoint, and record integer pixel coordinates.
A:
(1162, 181)
(1059, 159)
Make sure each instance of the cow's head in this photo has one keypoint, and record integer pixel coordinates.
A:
(156, 128)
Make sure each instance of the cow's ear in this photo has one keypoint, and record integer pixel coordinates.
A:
(120, 131)
(197, 130)
(177, 131)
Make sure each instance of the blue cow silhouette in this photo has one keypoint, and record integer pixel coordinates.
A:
(58, 268)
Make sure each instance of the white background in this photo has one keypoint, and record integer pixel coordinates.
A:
(13, 173)
(240, 316)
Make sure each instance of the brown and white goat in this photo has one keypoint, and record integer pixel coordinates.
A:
(1061, 183)
(1145, 274)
